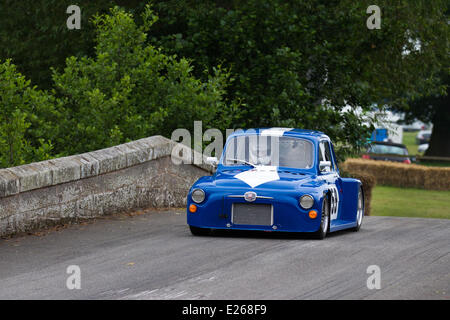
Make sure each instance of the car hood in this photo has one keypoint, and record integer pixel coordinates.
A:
(263, 177)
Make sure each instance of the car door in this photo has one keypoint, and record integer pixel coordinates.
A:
(331, 176)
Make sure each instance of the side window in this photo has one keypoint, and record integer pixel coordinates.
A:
(321, 152)
(335, 164)
(325, 153)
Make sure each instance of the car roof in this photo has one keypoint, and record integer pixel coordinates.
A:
(295, 132)
(386, 143)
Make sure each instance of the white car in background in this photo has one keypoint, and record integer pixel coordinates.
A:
(423, 137)
(422, 148)
(416, 126)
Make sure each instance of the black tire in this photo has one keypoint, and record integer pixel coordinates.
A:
(324, 220)
(359, 220)
(199, 231)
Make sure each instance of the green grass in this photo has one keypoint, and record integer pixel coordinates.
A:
(409, 202)
(409, 140)
(434, 163)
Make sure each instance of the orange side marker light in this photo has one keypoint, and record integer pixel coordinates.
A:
(313, 214)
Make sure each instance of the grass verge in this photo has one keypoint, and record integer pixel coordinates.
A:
(410, 202)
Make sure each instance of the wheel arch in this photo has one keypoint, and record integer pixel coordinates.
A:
(327, 193)
(350, 189)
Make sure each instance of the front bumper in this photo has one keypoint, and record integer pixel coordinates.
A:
(287, 215)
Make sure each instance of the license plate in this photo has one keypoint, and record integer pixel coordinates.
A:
(259, 214)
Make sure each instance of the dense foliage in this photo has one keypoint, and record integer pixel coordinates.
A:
(130, 90)
(33, 33)
(127, 91)
(231, 64)
(301, 63)
(27, 119)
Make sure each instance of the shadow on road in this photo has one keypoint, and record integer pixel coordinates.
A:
(271, 234)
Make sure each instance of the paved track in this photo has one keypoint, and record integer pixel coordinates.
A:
(154, 256)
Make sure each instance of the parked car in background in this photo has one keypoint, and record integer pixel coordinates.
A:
(416, 126)
(423, 137)
(387, 151)
(390, 132)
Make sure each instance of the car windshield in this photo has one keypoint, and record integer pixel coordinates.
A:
(387, 149)
(269, 151)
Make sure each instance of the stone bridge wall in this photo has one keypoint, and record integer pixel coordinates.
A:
(133, 175)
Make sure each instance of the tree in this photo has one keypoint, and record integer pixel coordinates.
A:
(130, 89)
(25, 119)
(435, 109)
(433, 105)
(302, 63)
(294, 63)
(33, 33)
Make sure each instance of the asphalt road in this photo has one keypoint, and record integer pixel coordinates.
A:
(154, 256)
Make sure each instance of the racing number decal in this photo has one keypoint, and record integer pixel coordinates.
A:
(334, 201)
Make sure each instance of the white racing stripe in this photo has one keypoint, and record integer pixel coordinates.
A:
(276, 132)
(263, 174)
(259, 175)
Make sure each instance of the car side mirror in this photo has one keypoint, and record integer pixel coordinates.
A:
(325, 166)
(212, 161)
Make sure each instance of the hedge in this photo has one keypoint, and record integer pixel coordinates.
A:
(368, 182)
(401, 174)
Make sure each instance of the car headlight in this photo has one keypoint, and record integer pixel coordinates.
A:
(306, 201)
(198, 195)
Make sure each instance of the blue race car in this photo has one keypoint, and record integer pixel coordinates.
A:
(276, 179)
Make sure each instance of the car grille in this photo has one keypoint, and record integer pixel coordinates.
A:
(252, 214)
